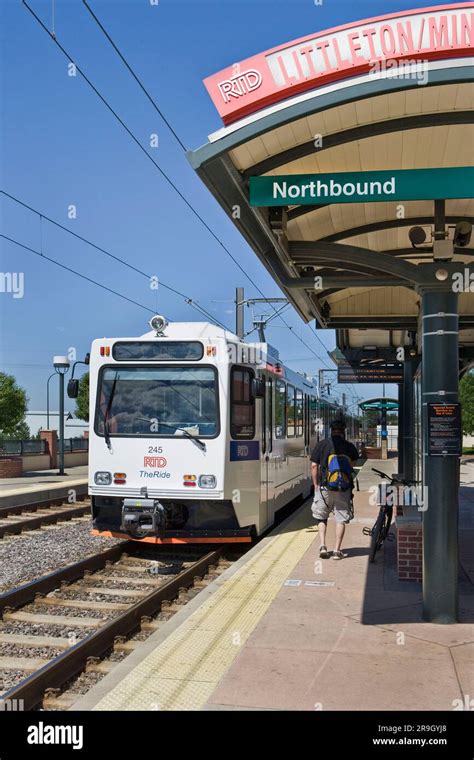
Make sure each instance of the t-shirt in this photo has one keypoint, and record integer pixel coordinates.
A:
(334, 445)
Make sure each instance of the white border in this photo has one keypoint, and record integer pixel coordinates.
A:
(317, 91)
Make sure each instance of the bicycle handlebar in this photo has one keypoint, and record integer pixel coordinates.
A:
(404, 481)
(382, 474)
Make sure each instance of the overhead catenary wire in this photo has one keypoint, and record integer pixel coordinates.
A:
(137, 79)
(78, 274)
(190, 301)
(167, 178)
(140, 83)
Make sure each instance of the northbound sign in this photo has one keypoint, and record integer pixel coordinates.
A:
(362, 187)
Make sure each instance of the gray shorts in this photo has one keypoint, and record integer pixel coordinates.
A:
(325, 502)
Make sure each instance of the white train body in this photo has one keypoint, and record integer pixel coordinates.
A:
(195, 436)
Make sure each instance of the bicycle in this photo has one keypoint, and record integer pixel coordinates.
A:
(380, 531)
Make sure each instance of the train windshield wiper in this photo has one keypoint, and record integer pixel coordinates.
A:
(185, 432)
(107, 412)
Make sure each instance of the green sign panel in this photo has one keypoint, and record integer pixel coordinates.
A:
(362, 187)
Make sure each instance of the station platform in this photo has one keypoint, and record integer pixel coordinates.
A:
(42, 485)
(283, 630)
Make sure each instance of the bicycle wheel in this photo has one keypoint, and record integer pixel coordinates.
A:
(388, 520)
(378, 535)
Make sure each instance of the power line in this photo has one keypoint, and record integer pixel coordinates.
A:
(187, 299)
(78, 274)
(139, 82)
(163, 174)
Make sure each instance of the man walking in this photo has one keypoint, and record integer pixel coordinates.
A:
(332, 462)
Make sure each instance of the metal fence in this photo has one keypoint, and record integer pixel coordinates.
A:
(75, 444)
(23, 448)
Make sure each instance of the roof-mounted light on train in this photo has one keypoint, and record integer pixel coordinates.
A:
(158, 323)
(104, 351)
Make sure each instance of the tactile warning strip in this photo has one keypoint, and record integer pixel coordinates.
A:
(184, 670)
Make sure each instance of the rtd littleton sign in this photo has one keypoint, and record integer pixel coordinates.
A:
(426, 34)
(362, 187)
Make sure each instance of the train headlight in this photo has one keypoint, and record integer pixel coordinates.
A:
(103, 478)
(207, 481)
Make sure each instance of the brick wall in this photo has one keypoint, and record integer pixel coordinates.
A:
(409, 553)
(11, 467)
(51, 438)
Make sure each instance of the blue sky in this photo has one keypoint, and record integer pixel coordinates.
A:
(62, 147)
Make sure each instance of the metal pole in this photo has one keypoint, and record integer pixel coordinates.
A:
(383, 430)
(47, 399)
(61, 423)
(401, 429)
(440, 378)
(239, 312)
(409, 369)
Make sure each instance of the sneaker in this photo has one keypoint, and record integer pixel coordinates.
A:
(323, 552)
(338, 555)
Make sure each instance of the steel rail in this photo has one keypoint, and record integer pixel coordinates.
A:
(68, 664)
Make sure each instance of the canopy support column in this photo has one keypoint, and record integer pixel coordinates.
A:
(440, 356)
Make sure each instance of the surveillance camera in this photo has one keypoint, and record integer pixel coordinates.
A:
(462, 234)
(417, 236)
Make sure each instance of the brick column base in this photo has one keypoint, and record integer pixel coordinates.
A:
(410, 552)
(11, 467)
(51, 438)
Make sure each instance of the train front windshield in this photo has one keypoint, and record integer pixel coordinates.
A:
(157, 401)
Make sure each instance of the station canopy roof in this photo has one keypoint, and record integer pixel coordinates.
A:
(340, 112)
(379, 403)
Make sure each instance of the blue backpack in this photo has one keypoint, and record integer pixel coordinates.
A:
(338, 473)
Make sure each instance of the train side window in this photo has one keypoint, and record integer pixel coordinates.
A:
(280, 409)
(291, 406)
(299, 413)
(270, 413)
(242, 406)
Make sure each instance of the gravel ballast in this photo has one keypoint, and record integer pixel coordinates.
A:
(27, 557)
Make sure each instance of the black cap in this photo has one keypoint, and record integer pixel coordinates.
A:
(338, 424)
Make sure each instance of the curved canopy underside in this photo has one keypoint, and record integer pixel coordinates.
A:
(371, 273)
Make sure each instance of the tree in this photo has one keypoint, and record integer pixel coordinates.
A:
(466, 397)
(82, 401)
(13, 407)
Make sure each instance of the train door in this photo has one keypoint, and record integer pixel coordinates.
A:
(267, 474)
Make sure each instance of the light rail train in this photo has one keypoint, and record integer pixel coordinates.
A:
(196, 436)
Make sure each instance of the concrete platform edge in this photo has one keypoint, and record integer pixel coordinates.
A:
(27, 494)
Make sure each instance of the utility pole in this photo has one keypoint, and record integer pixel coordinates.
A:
(239, 313)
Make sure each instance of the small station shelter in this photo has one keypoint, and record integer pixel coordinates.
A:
(346, 160)
(384, 405)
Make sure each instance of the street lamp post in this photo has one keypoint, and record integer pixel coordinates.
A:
(47, 398)
(61, 366)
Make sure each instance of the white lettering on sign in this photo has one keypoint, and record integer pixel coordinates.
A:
(388, 38)
(240, 84)
(384, 46)
(331, 189)
(242, 451)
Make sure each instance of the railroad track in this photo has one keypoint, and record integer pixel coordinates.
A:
(62, 624)
(22, 517)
